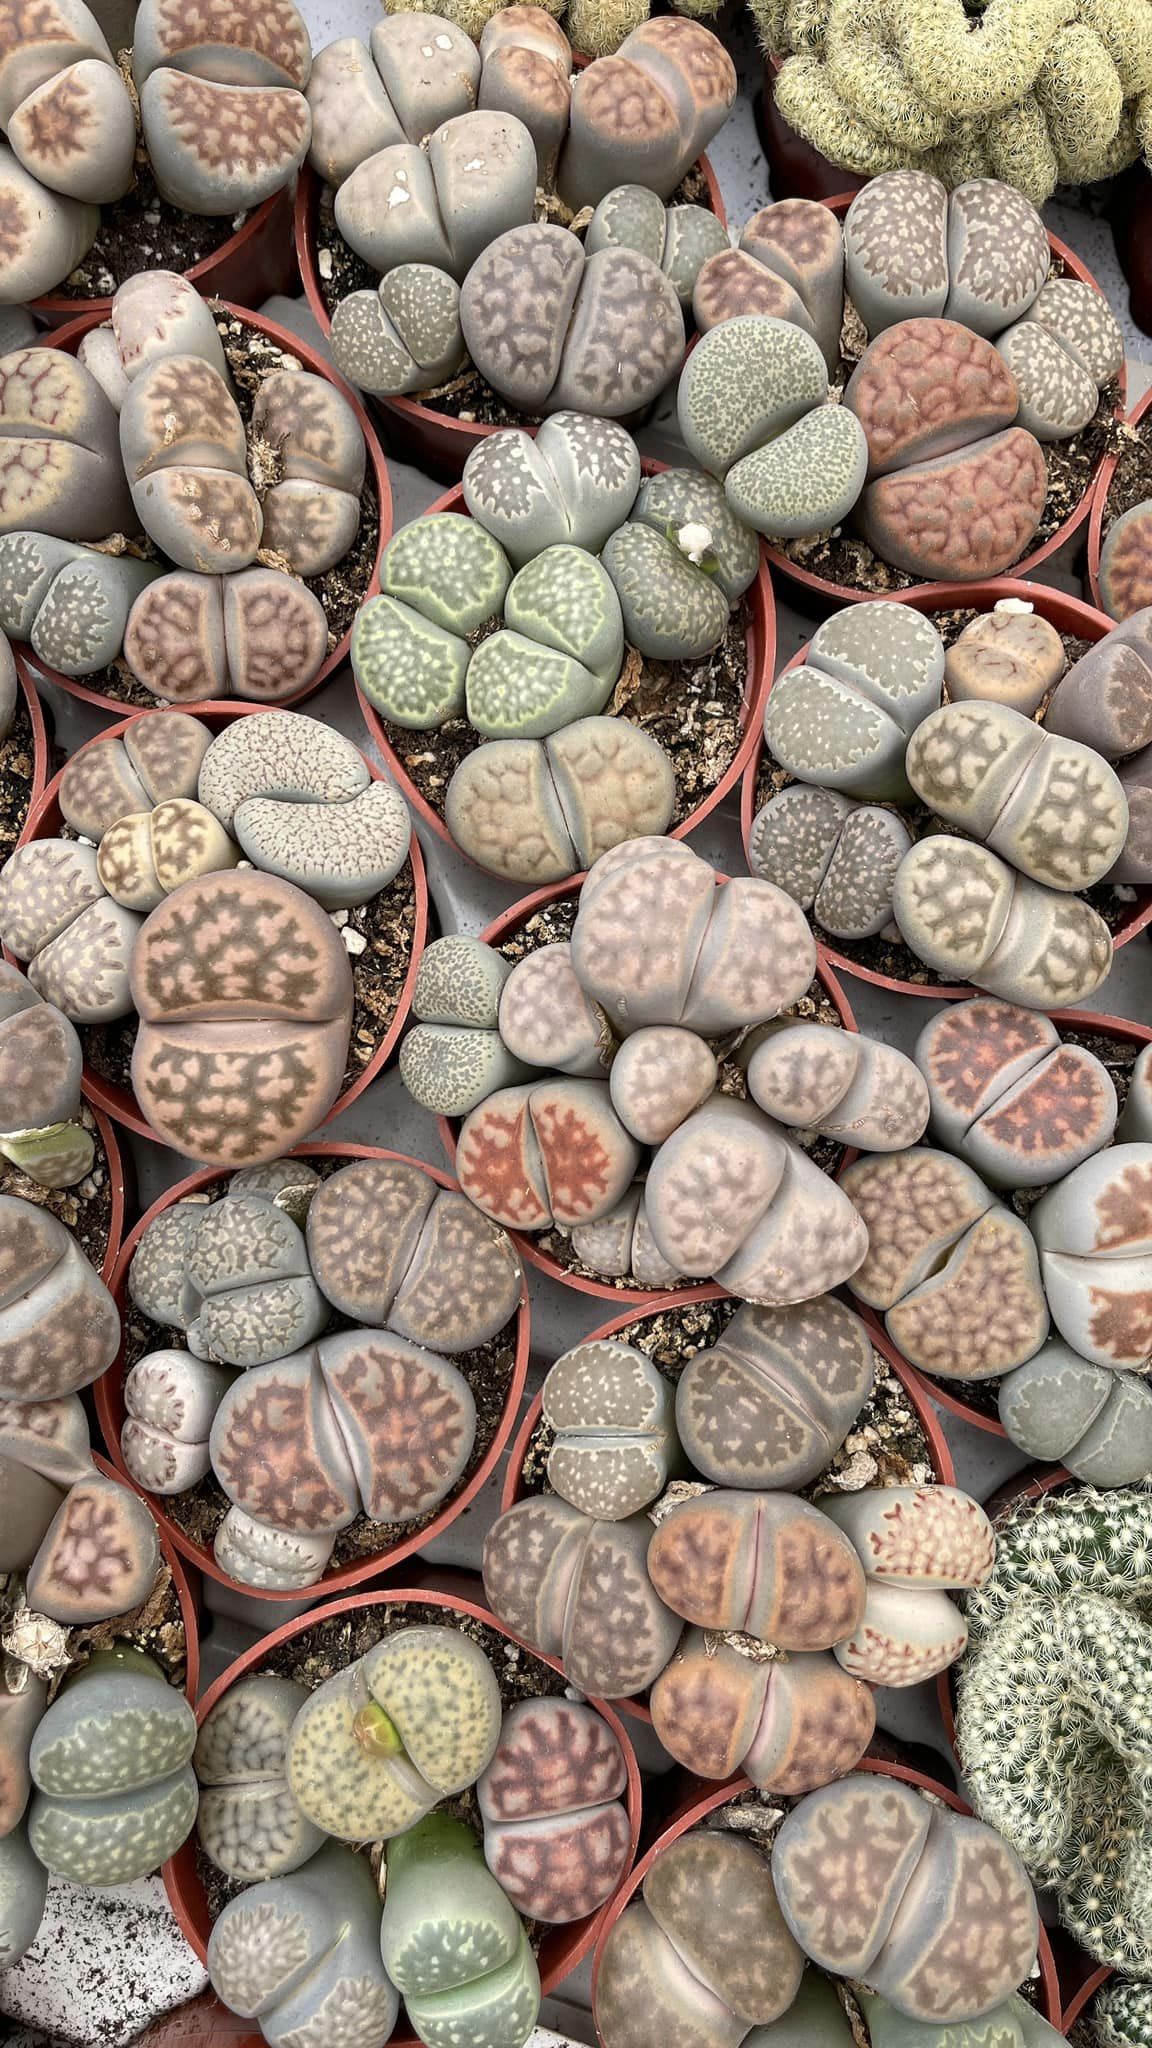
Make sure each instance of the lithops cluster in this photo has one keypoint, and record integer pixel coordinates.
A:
(60, 466)
(679, 564)
(644, 115)
(56, 915)
(703, 1954)
(255, 633)
(40, 1071)
(453, 1943)
(413, 75)
(58, 1323)
(790, 1724)
(677, 238)
(1010, 1096)
(223, 111)
(171, 1398)
(574, 481)
(556, 1831)
(971, 917)
(955, 1273)
(834, 857)
(845, 718)
(136, 797)
(932, 1910)
(248, 1822)
(788, 265)
(71, 603)
(1092, 1230)
(111, 1763)
(405, 336)
(848, 1087)
(913, 1542)
(1093, 1419)
(611, 1412)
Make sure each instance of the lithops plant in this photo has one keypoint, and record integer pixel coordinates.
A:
(1136, 1117)
(1105, 700)
(789, 1724)
(302, 805)
(846, 1086)
(40, 1070)
(44, 1449)
(56, 914)
(255, 633)
(405, 336)
(1094, 1243)
(111, 1763)
(71, 603)
(914, 1543)
(1092, 1419)
(679, 564)
(157, 759)
(364, 97)
(910, 251)
(770, 1403)
(99, 1556)
(1014, 2024)
(969, 916)
(579, 1589)
(50, 236)
(224, 116)
(678, 238)
(66, 109)
(612, 1416)
(1125, 571)
(248, 1822)
(548, 1151)
(23, 1891)
(453, 1943)
(454, 1055)
(954, 1272)
(269, 1559)
(171, 1398)
(536, 811)
(526, 70)
(1066, 348)
(59, 1328)
(184, 450)
(306, 446)
(658, 1077)
(60, 466)
(301, 1954)
(644, 115)
(377, 1746)
(1010, 1096)
(250, 1294)
(834, 857)
(763, 1564)
(546, 1020)
(574, 481)
(933, 1910)
(703, 1954)
(222, 953)
(556, 1831)
(155, 313)
(789, 265)
(472, 181)
(1009, 655)
(844, 719)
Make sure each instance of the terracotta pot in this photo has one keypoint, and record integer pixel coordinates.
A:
(28, 663)
(761, 646)
(1098, 521)
(121, 1181)
(189, 1603)
(1068, 615)
(251, 266)
(528, 1247)
(561, 1948)
(795, 169)
(40, 742)
(701, 1806)
(46, 822)
(1081, 1999)
(109, 1395)
(1130, 217)
(433, 441)
(824, 595)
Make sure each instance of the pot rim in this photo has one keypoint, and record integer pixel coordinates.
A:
(67, 337)
(59, 310)
(1067, 614)
(30, 697)
(1100, 492)
(44, 822)
(1082, 1999)
(189, 1603)
(108, 1394)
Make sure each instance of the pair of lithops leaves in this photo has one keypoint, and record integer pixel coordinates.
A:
(41, 1064)
(318, 1428)
(59, 1327)
(85, 1544)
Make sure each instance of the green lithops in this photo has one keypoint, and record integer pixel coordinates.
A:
(453, 1943)
(23, 1890)
(678, 239)
(249, 1823)
(1015, 2024)
(441, 578)
(679, 563)
(376, 1747)
(559, 656)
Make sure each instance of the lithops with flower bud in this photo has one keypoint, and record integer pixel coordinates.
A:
(307, 445)
(969, 916)
(913, 1542)
(933, 1910)
(257, 633)
(453, 1943)
(269, 1559)
(677, 238)
(834, 857)
(302, 1952)
(171, 1398)
(789, 265)
(186, 457)
(1010, 1096)
(60, 466)
(844, 719)
(556, 1832)
(772, 1400)
(405, 336)
(612, 1416)
(444, 203)
(954, 1272)
(788, 1724)
(1093, 1419)
(50, 234)
(703, 1954)
(644, 115)
(58, 1323)
(536, 811)
(1010, 656)
(679, 564)
(40, 1071)
(223, 110)
(574, 481)
(764, 1564)
(71, 603)
(248, 1822)
(546, 1152)
(222, 953)
(579, 1589)
(1094, 1233)
(377, 1746)
(848, 1087)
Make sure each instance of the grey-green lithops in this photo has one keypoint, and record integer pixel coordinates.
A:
(575, 480)
(249, 1823)
(612, 1414)
(454, 1056)
(558, 656)
(404, 336)
(678, 564)
(1092, 1419)
(453, 1943)
(676, 238)
(71, 603)
(23, 1890)
(842, 720)
(836, 858)
(441, 579)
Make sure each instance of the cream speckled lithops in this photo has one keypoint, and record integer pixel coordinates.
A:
(1010, 656)
(223, 112)
(453, 1943)
(71, 603)
(678, 238)
(405, 336)
(575, 480)
(1061, 354)
(263, 1557)
(856, 1089)
(247, 1264)
(380, 1744)
(60, 466)
(834, 857)
(555, 1829)
(171, 1398)
(913, 1542)
(454, 1055)
(1010, 1096)
(969, 916)
(249, 1823)
(612, 1414)
(58, 1323)
(843, 719)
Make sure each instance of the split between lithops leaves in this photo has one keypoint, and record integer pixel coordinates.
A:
(56, 915)
(248, 1821)
(680, 239)
(721, 1706)
(473, 180)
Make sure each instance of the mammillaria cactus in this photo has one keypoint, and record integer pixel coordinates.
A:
(679, 563)
(65, 106)
(845, 719)
(764, 1564)
(1121, 2014)
(703, 1955)
(932, 1910)
(556, 1833)
(678, 238)
(1092, 1230)
(71, 603)
(58, 1323)
(453, 1943)
(789, 1724)
(254, 633)
(301, 1954)
(184, 450)
(23, 1891)
(579, 1589)
(913, 1542)
(60, 466)
(171, 1398)
(789, 265)
(856, 1089)
(834, 857)
(377, 1746)
(56, 914)
(223, 111)
(1009, 655)
(955, 1273)
(574, 481)
(1010, 1096)
(1092, 1419)
(111, 1762)
(248, 1822)
(40, 1069)
(969, 916)
(612, 1414)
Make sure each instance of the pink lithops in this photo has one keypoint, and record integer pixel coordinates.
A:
(59, 1328)
(99, 1557)
(258, 634)
(556, 1833)
(659, 1076)
(546, 1019)
(645, 114)
(970, 916)
(1094, 1232)
(956, 1272)
(580, 1590)
(856, 1089)
(933, 1910)
(765, 1564)
(789, 1725)
(49, 1437)
(185, 454)
(962, 516)
(278, 1453)
(790, 264)
(770, 1403)
(913, 1542)
(611, 1412)
(171, 1398)
(551, 1151)
(60, 467)
(1126, 563)
(157, 760)
(306, 431)
(926, 387)
(1010, 1096)
(225, 953)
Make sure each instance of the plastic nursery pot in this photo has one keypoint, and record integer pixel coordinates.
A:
(528, 1247)
(251, 266)
(561, 1949)
(1130, 217)
(761, 656)
(1069, 615)
(46, 822)
(1098, 520)
(189, 1604)
(29, 698)
(1080, 2000)
(69, 338)
(434, 441)
(702, 1806)
(109, 1396)
(824, 594)
(795, 169)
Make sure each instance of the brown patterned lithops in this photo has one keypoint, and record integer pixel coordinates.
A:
(304, 429)
(932, 1909)
(954, 1272)
(249, 1823)
(171, 1398)
(659, 1076)
(1010, 1096)
(535, 811)
(646, 113)
(848, 1087)
(764, 1564)
(913, 1542)
(1105, 700)
(1094, 1233)
(46, 234)
(56, 915)
(256, 633)
(454, 1055)
(969, 916)
(788, 1724)
(222, 108)
(220, 956)
(157, 760)
(60, 466)
(379, 1745)
(58, 1323)
(612, 1415)
(556, 1832)
(1009, 655)
(184, 450)
(99, 1556)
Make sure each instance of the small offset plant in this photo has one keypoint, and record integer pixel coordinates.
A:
(612, 1415)
(913, 1542)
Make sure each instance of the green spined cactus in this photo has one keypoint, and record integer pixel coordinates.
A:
(1121, 2015)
